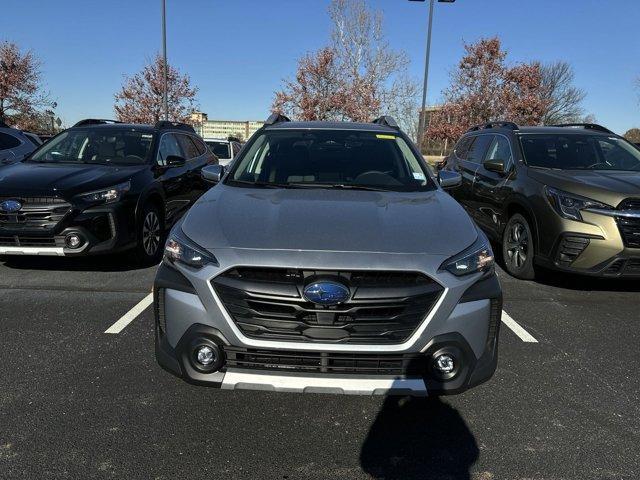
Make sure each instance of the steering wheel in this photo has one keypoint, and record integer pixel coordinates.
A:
(375, 177)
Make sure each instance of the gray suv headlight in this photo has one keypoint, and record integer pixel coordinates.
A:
(180, 249)
(477, 258)
(569, 205)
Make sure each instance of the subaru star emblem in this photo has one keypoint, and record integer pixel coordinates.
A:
(10, 206)
(326, 293)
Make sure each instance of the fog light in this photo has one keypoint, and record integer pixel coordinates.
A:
(73, 240)
(444, 364)
(205, 355)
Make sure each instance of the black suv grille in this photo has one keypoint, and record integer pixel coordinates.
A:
(23, 241)
(385, 307)
(630, 227)
(36, 214)
(321, 362)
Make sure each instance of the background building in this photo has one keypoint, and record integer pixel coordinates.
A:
(224, 128)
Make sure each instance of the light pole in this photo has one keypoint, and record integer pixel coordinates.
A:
(165, 100)
(421, 124)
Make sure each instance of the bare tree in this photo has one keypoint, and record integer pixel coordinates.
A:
(563, 97)
(356, 78)
(21, 93)
(140, 99)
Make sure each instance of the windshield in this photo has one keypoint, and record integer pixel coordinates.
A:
(101, 146)
(219, 149)
(580, 152)
(331, 159)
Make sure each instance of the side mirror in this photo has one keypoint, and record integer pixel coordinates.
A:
(175, 161)
(496, 165)
(449, 179)
(212, 173)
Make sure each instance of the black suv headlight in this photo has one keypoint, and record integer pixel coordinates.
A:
(180, 249)
(477, 258)
(106, 195)
(569, 205)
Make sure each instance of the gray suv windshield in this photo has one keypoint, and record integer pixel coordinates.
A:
(331, 159)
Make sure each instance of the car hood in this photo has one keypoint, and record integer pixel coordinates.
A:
(610, 187)
(30, 178)
(330, 220)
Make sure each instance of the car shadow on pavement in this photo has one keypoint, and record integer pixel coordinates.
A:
(583, 282)
(418, 438)
(99, 263)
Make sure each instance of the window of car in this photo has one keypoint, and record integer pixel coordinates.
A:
(220, 149)
(330, 159)
(200, 146)
(168, 146)
(579, 152)
(462, 147)
(478, 148)
(104, 146)
(8, 141)
(188, 146)
(499, 150)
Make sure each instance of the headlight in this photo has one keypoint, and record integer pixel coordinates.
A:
(179, 249)
(106, 195)
(477, 258)
(569, 205)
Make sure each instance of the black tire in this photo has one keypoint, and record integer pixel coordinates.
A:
(518, 249)
(150, 235)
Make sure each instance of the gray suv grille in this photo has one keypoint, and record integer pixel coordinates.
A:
(630, 227)
(385, 307)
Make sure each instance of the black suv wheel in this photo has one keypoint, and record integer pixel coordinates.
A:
(150, 234)
(518, 248)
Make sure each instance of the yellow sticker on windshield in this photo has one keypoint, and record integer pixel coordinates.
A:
(386, 137)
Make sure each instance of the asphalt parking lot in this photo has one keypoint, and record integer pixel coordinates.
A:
(76, 402)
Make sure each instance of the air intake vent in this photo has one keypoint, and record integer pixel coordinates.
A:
(570, 248)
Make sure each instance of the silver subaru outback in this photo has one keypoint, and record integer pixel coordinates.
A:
(328, 259)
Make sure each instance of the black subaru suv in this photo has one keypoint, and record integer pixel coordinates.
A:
(102, 186)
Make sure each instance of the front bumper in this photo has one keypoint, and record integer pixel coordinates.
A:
(594, 247)
(103, 229)
(466, 321)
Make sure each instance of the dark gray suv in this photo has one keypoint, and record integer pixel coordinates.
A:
(328, 259)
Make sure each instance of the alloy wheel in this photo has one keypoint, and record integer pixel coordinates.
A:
(517, 245)
(151, 233)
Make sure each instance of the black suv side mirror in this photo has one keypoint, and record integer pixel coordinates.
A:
(449, 179)
(212, 173)
(175, 161)
(495, 165)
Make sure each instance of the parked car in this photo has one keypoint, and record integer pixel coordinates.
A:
(15, 144)
(564, 197)
(328, 259)
(101, 186)
(225, 150)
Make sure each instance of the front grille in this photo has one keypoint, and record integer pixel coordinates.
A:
(385, 307)
(36, 214)
(24, 241)
(570, 248)
(321, 362)
(630, 227)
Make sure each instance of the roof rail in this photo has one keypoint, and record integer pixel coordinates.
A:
(495, 124)
(386, 120)
(94, 121)
(165, 124)
(586, 126)
(276, 118)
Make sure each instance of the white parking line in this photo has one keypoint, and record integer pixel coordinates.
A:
(517, 329)
(131, 315)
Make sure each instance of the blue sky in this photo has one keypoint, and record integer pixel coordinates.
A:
(238, 51)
